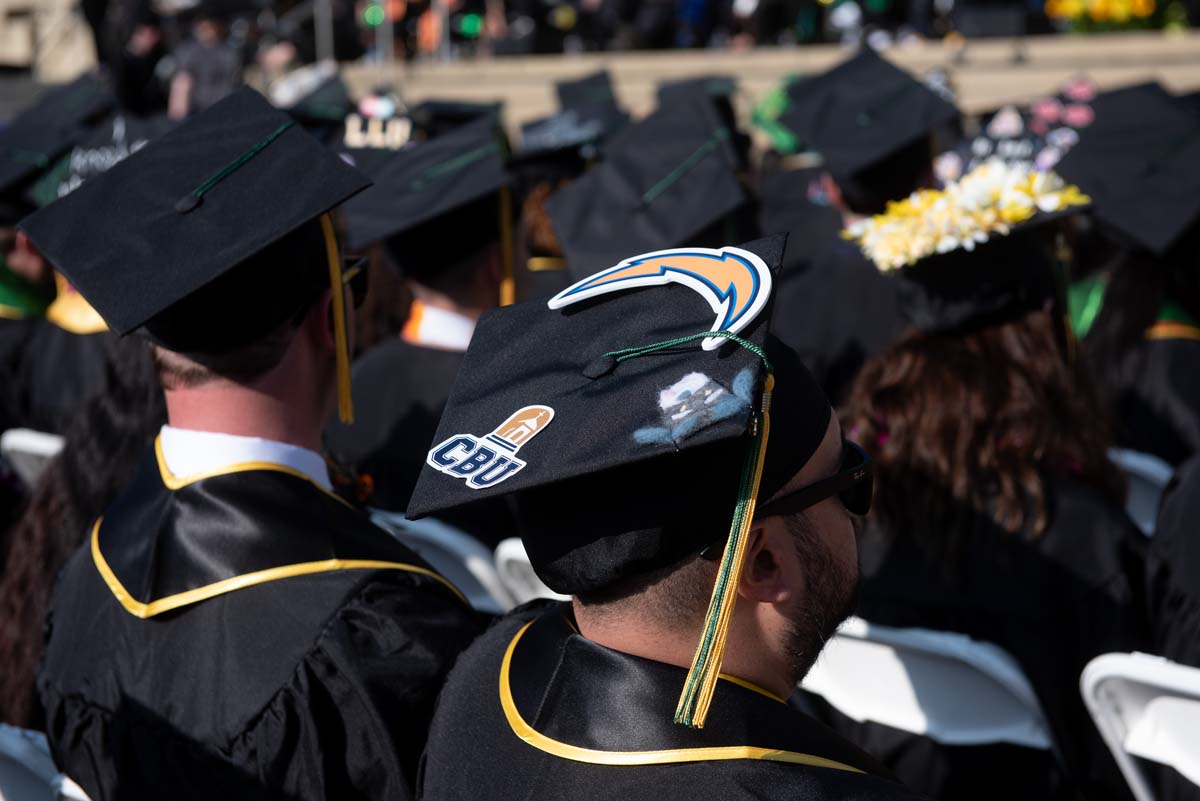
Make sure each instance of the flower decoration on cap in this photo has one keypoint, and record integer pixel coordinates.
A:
(986, 202)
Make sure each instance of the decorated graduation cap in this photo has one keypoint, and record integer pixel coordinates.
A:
(210, 237)
(37, 137)
(323, 109)
(438, 201)
(662, 183)
(1140, 163)
(593, 99)
(862, 112)
(635, 419)
(433, 118)
(975, 253)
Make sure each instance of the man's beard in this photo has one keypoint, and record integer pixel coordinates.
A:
(831, 595)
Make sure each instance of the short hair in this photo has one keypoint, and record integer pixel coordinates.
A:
(240, 365)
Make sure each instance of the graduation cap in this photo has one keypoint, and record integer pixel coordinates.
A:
(862, 112)
(41, 134)
(628, 429)
(1140, 163)
(975, 253)
(565, 131)
(714, 86)
(325, 107)
(436, 202)
(210, 237)
(593, 101)
(433, 118)
(663, 182)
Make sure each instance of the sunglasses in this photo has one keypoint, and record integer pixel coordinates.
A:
(853, 484)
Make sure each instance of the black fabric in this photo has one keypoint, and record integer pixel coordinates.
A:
(144, 215)
(950, 772)
(400, 391)
(663, 182)
(309, 687)
(1156, 395)
(862, 111)
(831, 305)
(434, 118)
(609, 437)
(431, 181)
(39, 135)
(577, 692)
(1053, 603)
(53, 373)
(1140, 163)
(1173, 567)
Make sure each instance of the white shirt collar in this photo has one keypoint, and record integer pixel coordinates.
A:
(438, 328)
(189, 453)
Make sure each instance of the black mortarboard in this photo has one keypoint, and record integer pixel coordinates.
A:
(715, 86)
(956, 272)
(37, 137)
(593, 100)
(209, 237)
(630, 458)
(567, 130)
(662, 182)
(433, 118)
(323, 110)
(862, 111)
(1140, 163)
(429, 192)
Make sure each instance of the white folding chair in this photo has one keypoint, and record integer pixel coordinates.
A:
(1149, 707)
(944, 686)
(29, 452)
(512, 564)
(1148, 477)
(463, 560)
(27, 771)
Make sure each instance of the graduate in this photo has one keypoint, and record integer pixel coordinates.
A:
(1139, 313)
(873, 125)
(443, 211)
(231, 628)
(998, 514)
(690, 488)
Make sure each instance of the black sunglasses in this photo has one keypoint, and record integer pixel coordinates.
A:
(853, 483)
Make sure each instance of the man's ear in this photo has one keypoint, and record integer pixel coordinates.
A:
(319, 322)
(768, 572)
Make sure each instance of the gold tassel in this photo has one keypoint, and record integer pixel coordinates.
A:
(341, 339)
(508, 285)
(701, 682)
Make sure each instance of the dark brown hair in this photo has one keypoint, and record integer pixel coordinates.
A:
(974, 424)
(102, 447)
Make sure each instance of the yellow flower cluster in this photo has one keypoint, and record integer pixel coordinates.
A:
(1100, 10)
(987, 201)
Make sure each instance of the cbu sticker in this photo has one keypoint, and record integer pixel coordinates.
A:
(484, 462)
(735, 282)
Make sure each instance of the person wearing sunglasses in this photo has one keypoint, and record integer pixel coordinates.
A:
(231, 628)
(692, 492)
(997, 512)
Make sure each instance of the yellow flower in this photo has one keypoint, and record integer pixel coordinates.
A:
(1142, 8)
(1100, 10)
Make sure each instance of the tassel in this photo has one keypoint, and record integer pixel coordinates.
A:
(508, 284)
(694, 702)
(341, 339)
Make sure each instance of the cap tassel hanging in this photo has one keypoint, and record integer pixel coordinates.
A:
(692, 709)
(341, 339)
(508, 286)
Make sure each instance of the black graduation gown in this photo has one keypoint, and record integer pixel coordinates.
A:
(535, 711)
(1053, 603)
(57, 371)
(400, 390)
(175, 668)
(836, 310)
(1157, 397)
(1173, 584)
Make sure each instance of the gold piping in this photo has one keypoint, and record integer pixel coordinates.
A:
(1172, 330)
(71, 312)
(340, 335)
(145, 610)
(546, 264)
(12, 312)
(508, 284)
(670, 756)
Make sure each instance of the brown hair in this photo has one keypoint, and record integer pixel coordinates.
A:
(540, 239)
(969, 424)
(241, 365)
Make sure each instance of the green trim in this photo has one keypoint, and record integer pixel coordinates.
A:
(235, 165)
(1085, 299)
(19, 297)
(1172, 312)
(698, 155)
(644, 350)
(456, 164)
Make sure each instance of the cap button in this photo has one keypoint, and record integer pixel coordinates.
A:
(600, 367)
(187, 203)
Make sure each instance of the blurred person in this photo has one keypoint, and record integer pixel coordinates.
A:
(998, 514)
(873, 125)
(442, 211)
(103, 443)
(636, 496)
(1139, 313)
(207, 66)
(272, 641)
(137, 47)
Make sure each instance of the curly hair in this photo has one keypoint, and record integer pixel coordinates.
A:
(102, 446)
(974, 424)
